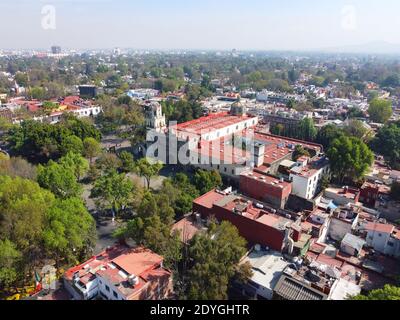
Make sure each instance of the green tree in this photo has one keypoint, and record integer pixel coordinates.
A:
(77, 163)
(70, 231)
(205, 181)
(91, 148)
(299, 152)
(307, 130)
(147, 170)
(108, 162)
(59, 179)
(23, 205)
(350, 158)
(71, 144)
(214, 256)
(114, 191)
(37, 93)
(380, 110)
(355, 112)
(387, 293)
(128, 163)
(17, 167)
(9, 258)
(5, 124)
(327, 134)
(395, 191)
(387, 143)
(356, 128)
(278, 130)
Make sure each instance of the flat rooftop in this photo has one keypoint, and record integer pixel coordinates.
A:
(267, 267)
(262, 178)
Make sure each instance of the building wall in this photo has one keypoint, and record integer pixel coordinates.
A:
(339, 199)
(300, 187)
(72, 291)
(378, 240)
(109, 293)
(338, 229)
(253, 231)
(262, 191)
(347, 249)
(90, 292)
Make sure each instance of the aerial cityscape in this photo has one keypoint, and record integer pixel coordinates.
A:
(185, 165)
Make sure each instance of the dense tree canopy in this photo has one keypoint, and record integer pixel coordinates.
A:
(147, 169)
(205, 180)
(327, 134)
(350, 158)
(215, 256)
(35, 225)
(43, 141)
(380, 110)
(114, 191)
(387, 293)
(60, 179)
(387, 143)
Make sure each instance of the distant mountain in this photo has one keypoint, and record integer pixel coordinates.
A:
(378, 47)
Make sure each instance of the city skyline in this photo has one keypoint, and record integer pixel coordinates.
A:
(252, 25)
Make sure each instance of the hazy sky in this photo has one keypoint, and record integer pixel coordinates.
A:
(198, 24)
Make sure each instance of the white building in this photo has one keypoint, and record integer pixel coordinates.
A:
(384, 238)
(342, 222)
(306, 180)
(267, 269)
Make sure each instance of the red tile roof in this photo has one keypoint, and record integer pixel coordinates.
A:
(138, 261)
(379, 227)
(207, 200)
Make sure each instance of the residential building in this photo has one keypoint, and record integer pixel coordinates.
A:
(267, 268)
(265, 188)
(343, 196)
(384, 238)
(343, 221)
(257, 222)
(307, 178)
(352, 245)
(120, 273)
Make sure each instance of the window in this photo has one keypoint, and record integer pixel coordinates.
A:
(115, 295)
(107, 288)
(390, 244)
(380, 235)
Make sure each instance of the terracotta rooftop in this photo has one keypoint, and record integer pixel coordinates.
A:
(212, 122)
(379, 227)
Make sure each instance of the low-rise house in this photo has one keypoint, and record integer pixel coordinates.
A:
(384, 238)
(120, 273)
(352, 245)
(257, 222)
(307, 177)
(343, 221)
(265, 188)
(343, 196)
(267, 267)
